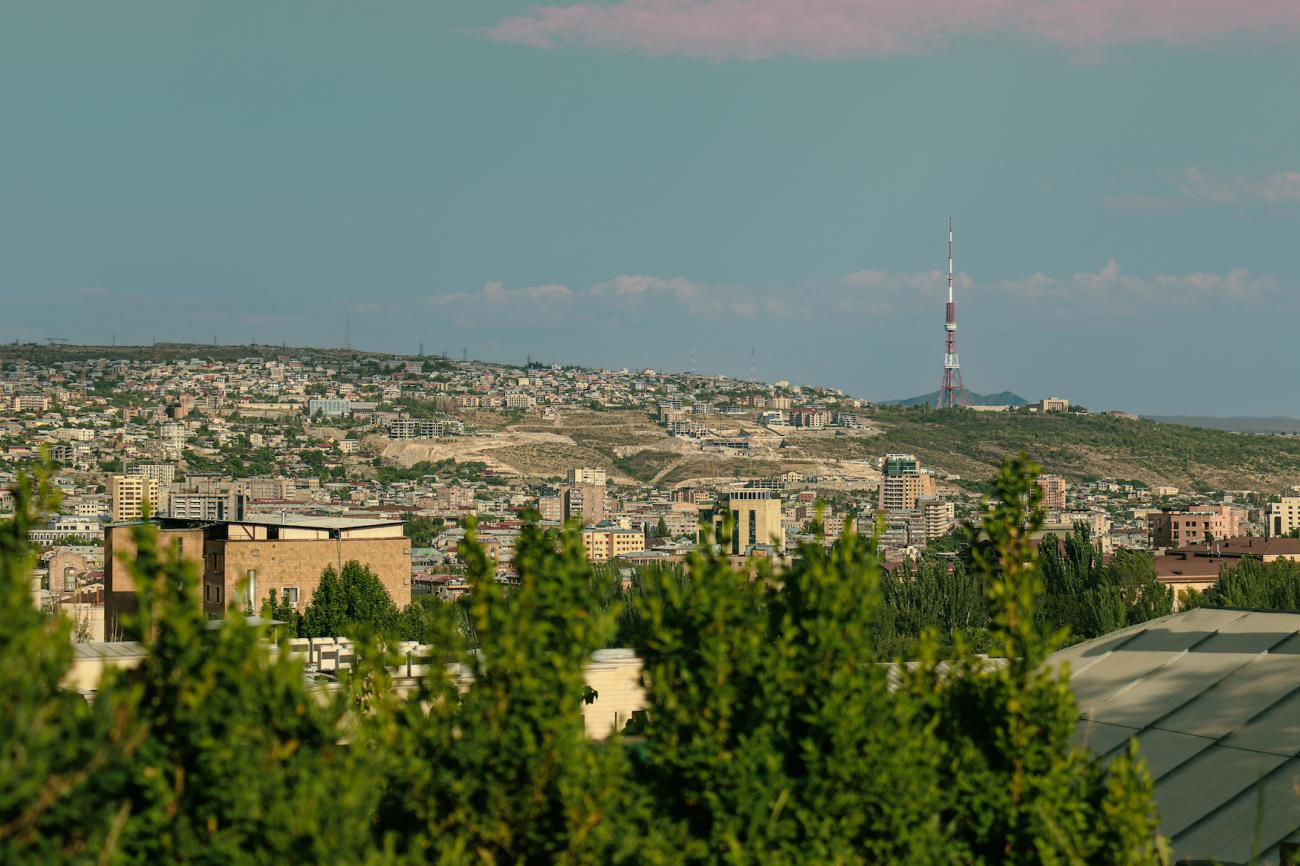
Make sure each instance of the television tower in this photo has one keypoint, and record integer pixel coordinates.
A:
(952, 394)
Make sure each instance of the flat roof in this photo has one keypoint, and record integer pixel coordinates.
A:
(308, 522)
(1213, 698)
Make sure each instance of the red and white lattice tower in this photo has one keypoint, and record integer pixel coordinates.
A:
(952, 393)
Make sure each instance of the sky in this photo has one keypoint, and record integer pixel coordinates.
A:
(712, 185)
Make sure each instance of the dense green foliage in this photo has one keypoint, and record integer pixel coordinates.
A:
(771, 736)
(470, 470)
(1092, 597)
(343, 599)
(1253, 583)
(422, 530)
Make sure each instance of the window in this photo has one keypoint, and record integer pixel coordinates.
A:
(290, 594)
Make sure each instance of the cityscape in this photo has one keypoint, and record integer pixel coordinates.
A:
(650, 558)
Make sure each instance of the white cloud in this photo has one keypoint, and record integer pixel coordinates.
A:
(1110, 290)
(1281, 187)
(495, 294)
(879, 292)
(698, 299)
(1195, 185)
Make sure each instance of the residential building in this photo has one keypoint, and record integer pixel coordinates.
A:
(129, 495)
(1180, 528)
(939, 517)
(588, 476)
(903, 482)
(207, 506)
(605, 541)
(163, 473)
(551, 507)
(810, 418)
(1283, 516)
(1053, 492)
(585, 502)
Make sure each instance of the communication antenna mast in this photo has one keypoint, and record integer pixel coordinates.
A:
(952, 393)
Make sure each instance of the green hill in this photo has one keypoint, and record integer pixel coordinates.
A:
(1091, 446)
(1002, 398)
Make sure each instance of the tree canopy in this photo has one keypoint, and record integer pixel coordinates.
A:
(772, 734)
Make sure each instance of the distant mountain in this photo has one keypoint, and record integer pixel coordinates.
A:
(1002, 398)
(1241, 424)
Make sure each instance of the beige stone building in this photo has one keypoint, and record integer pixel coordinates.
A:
(129, 495)
(1283, 516)
(756, 519)
(588, 476)
(604, 542)
(241, 562)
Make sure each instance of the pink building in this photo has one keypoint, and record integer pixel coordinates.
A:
(1180, 528)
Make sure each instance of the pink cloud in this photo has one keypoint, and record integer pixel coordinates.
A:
(831, 29)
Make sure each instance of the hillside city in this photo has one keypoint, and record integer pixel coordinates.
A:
(394, 454)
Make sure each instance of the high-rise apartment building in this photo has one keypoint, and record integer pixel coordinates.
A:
(207, 506)
(903, 482)
(1283, 516)
(163, 473)
(585, 502)
(939, 517)
(130, 494)
(756, 519)
(588, 476)
(1053, 490)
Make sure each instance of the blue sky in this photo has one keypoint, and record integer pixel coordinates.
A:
(591, 190)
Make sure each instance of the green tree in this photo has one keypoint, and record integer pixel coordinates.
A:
(241, 763)
(1015, 787)
(52, 744)
(503, 772)
(343, 601)
(1092, 597)
(1254, 583)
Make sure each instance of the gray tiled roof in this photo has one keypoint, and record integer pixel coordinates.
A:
(1213, 697)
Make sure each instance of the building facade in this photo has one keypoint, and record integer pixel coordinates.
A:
(1283, 516)
(903, 482)
(755, 515)
(1052, 488)
(1180, 528)
(242, 562)
(130, 495)
(604, 542)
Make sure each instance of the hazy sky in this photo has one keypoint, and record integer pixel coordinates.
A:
(640, 182)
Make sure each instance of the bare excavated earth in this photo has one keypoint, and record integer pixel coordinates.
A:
(633, 449)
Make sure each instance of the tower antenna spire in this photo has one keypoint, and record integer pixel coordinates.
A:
(952, 393)
(950, 260)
